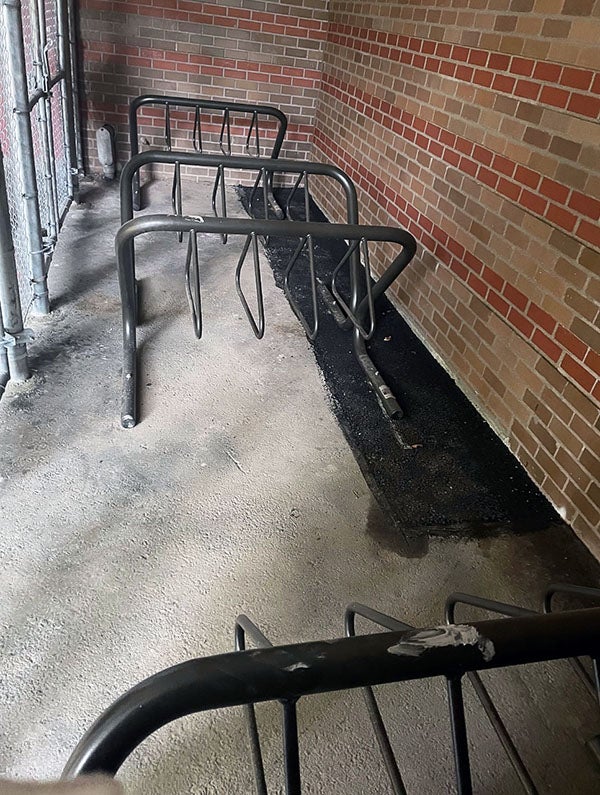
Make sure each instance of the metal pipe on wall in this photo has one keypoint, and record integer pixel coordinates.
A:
(71, 62)
(70, 116)
(17, 73)
(14, 349)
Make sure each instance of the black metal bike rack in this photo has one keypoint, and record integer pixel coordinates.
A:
(287, 673)
(251, 228)
(355, 312)
(238, 112)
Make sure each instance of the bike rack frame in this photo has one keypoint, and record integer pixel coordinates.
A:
(266, 168)
(251, 228)
(287, 673)
(212, 107)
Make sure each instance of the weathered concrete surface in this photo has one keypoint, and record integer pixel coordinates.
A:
(123, 552)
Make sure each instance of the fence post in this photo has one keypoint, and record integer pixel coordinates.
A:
(13, 336)
(67, 88)
(24, 142)
(71, 58)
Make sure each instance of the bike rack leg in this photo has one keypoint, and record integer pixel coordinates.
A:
(384, 394)
(459, 736)
(291, 753)
(290, 749)
(128, 290)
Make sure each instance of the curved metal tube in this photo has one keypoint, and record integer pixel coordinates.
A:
(199, 104)
(293, 671)
(566, 588)
(124, 244)
(270, 165)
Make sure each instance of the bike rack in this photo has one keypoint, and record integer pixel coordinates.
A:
(251, 228)
(359, 308)
(287, 673)
(201, 108)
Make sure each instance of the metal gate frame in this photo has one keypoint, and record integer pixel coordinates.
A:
(38, 50)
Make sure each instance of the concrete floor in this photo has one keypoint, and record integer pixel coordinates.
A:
(123, 552)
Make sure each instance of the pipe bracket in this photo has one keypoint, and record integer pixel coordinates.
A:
(19, 338)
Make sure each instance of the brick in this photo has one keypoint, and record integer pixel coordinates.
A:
(580, 402)
(576, 473)
(589, 334)
(589, 511)
(586, 205)
(591, 463)
(541, 411)
(584, 105)
(578, 7)
(550, 374)
(592, 360)
(589, 232)
(503, 83)
(561, 217)
(525, 437)
(533, 202)
(578, 373)
(526, 176)
(545, 344)
(571, 342)
(557, 406)
(583, 306)
(564, 243)
(536, 137)
(515, 297)
(496, 384)
(565, 148)
(576, 78)
(528, 89)
(498, 303)
(541, 318)
(549, 72)
(550, 467)
(554, 190)
(520, 322)
(556, 28)
(557, 97)
(540, 432)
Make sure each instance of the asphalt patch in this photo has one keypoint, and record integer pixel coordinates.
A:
(440, 468)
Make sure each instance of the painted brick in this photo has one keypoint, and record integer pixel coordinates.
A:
(516, 200)
(578, 373)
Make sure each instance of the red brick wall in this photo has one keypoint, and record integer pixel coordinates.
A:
(474, 123)
(261, 52)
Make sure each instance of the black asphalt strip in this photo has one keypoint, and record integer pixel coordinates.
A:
(440, 468)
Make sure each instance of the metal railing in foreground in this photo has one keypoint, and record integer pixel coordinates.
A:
(287, 673)
(256, 142)
(362, 303)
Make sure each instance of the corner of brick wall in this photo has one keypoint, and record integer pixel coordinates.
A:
(474, 127)
(477, 129)
(261, 52)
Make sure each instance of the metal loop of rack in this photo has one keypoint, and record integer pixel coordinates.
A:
(258, 324)
(251, 229)
(192, 282)
(401, 653)
(212, 108)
